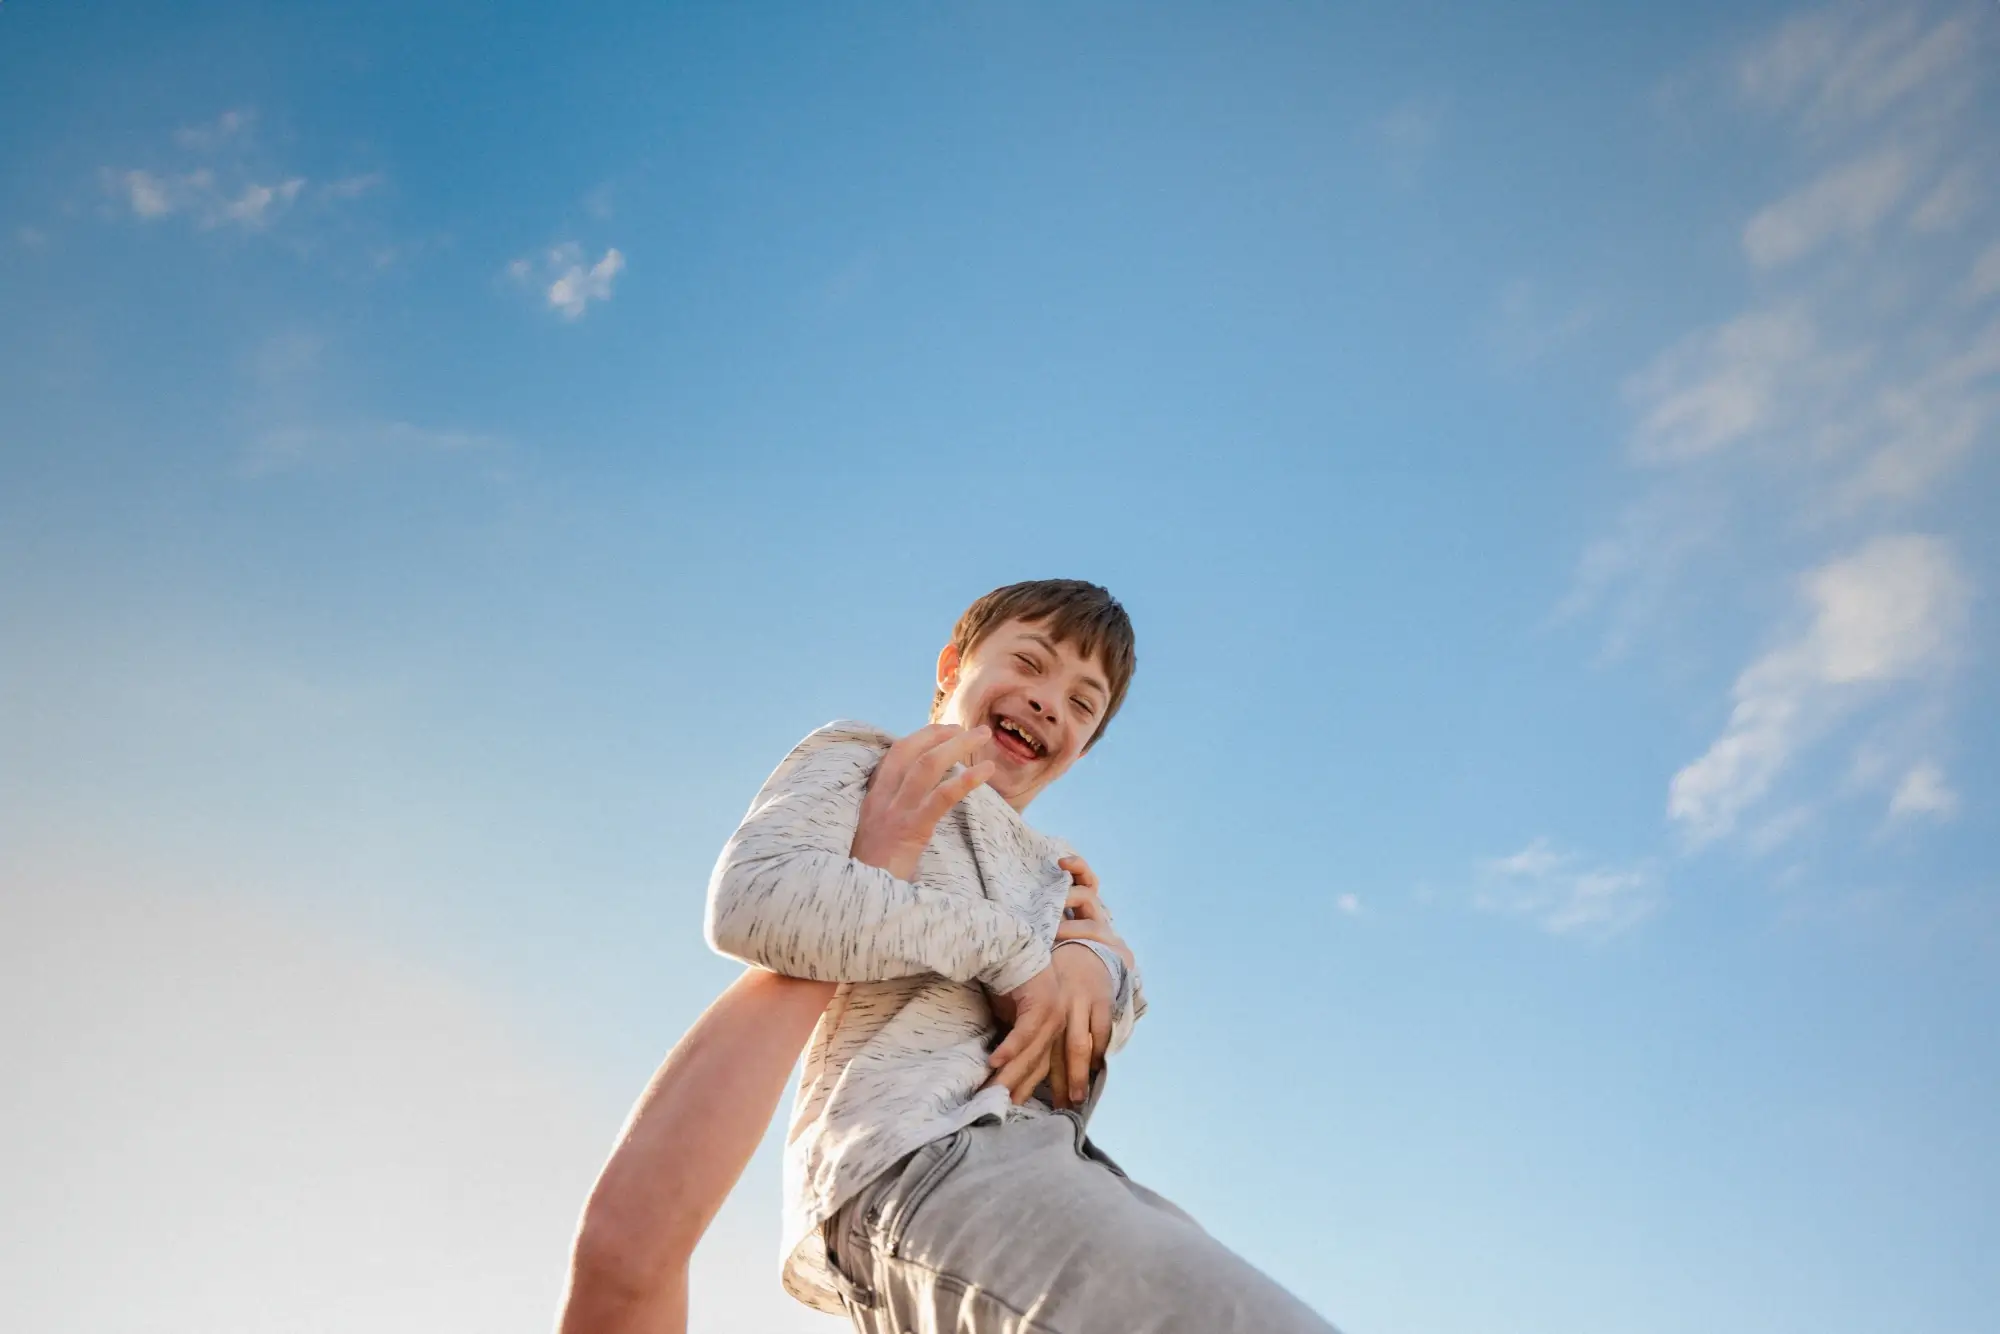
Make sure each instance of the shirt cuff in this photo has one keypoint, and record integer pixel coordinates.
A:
(1121, 978)
(1031, 959)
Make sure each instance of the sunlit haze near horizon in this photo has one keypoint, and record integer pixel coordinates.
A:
(449, 454)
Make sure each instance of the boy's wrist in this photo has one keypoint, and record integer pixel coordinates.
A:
(1019, 968)
(897, 861)
(1114, 968)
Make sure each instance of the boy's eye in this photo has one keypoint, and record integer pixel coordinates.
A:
(1083, 706)
(1028, 662)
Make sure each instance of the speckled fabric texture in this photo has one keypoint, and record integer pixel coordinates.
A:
(899, 1058)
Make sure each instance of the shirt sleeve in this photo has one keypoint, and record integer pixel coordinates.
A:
(1127, 1015)
(786, 896)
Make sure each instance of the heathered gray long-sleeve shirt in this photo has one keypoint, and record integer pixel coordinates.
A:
(899, 1059)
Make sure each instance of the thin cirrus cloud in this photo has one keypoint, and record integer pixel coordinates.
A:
(1837, 68)
(568, 282)
(1892, 612)
(1565, 893)
(1848, 202)
(1924, 792)
(1985, 281)
(1824, 419)
(199, 195)
(232, 125)
(219, 179)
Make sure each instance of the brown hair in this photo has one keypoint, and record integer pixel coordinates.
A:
(1075, 612)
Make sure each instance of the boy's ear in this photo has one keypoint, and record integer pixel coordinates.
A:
(947, 671)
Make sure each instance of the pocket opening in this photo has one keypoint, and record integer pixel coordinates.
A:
(905, 1209)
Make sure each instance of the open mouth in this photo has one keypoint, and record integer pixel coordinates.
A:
(1016, 741)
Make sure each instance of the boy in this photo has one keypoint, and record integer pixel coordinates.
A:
(925, 1190)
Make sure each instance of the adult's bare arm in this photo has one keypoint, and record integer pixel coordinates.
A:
(681, 1150)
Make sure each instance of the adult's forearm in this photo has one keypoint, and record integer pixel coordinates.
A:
(682, 1149)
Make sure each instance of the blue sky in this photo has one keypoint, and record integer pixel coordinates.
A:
(447, 457)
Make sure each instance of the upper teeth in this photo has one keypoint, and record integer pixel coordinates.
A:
(1021, 732)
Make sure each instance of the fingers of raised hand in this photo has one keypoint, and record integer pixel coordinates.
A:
(1079, 871)
(906, 751)
(957, 748)
(949, 793)
(1085, 903)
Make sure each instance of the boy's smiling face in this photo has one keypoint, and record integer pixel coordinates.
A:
(1042, 698)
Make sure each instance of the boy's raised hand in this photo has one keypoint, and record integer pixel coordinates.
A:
(911, 790)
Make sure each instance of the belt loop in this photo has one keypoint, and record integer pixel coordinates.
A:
(852, 1291)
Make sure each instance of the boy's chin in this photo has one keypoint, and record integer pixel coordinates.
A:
(1010, 784)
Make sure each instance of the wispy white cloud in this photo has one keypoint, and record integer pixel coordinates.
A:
(1565, 893)
(353, 187)
(566, 281)
(1349, 904)
(1811, 437)
(1715, 388)
(221, 180)
(1848, 202)
(1893, 611)
(1771, 832)
(577, 287)
(1950, 202)
(150, 196)
(199, 196)
(231, 126)
(1917, 430)
(1985, 274)
(1627, 576)
(1925, 792)
(1853, 64)
(256, 205)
